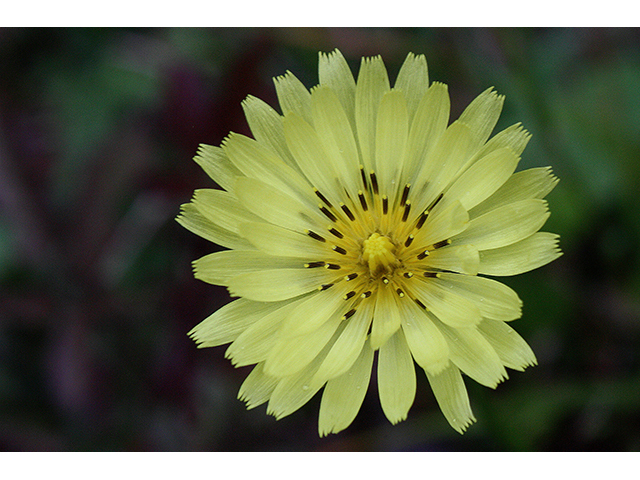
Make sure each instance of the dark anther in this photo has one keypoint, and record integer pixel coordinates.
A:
(407, 209)
(364, 177)
(374, 181)
(322, 197)
(340, 250)
(315, 236)
(349, 314)
(422, 219)
(314, 264)
(363, 201)
(329, 215)
(408, 241)
(348, 212)
(442, 243)
(405, 194)
(336, 233)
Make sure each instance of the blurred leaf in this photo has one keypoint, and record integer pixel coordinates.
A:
(529, 416)
(90, 100)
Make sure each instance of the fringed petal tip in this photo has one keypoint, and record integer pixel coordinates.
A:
(462, 425)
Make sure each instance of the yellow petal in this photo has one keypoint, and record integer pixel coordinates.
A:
(443, 224)
(372, 84)
(311, 157)
(336, 135)
(392, 129)
(483, 178)
(277, 208)
(191, 219)
(259, 162)
(531, 183)
(494, 299)
(293, 96)
(278, 241)
(453, 309)
(513, 351)
(317, 309)
(217, 165)
(482, 115)
(461, 259)
(474, 355)
(523, 256)
(396, 378)
(254, 343)
(348, 346)
(387, 316)
(334, 72)
(266, 126)
(222, 208)
(428, 346)
(413, 80)
(294, 391)
(343, 395)
(452, 151)
(514, 137)
(451, 394)
(279, 284)
(218, 267)
(228, 322)
(504, 225)
(290, 355)
(428, 125)
(257, 387)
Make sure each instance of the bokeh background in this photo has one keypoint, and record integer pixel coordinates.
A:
(97, 131)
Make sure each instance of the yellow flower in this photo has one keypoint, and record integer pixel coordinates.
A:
(360, 221)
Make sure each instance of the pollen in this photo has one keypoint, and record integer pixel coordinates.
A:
(378, 254)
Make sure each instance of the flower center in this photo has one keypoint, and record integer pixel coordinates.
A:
(378, 253)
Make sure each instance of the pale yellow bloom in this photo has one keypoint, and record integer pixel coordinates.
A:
(361, 221)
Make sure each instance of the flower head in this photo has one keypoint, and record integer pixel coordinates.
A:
(361, 221)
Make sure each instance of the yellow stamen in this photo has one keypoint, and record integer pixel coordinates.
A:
(378, 253)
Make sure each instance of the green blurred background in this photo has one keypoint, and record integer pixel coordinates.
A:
(97, 131)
